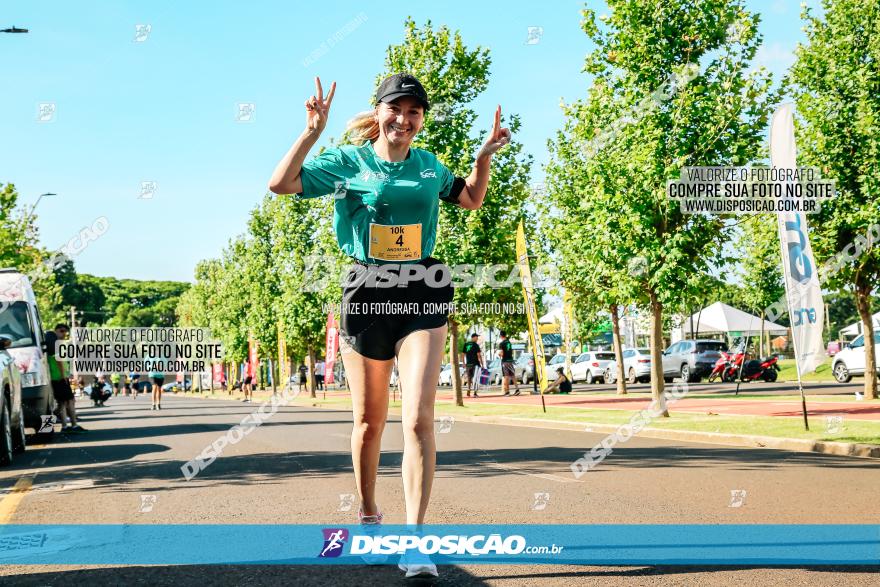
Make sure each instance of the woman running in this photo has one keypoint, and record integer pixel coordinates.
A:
(386, 210)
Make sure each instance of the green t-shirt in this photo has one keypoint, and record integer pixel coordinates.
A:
(56, 368)
(382, 208)
(506, 351)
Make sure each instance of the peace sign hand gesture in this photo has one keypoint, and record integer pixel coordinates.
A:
(498, 137)
(318, 108)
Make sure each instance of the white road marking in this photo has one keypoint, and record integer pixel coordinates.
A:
(547, 476)
(46, 487)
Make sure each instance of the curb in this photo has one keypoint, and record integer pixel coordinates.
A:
(791, 444)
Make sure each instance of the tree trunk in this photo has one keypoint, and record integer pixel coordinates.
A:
(863, 303)
(656, 358)
(453, 360)
(618, 349)
(311, 370)
(762, 337)
(690, 319)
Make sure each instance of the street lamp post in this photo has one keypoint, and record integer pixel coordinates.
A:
(34, 207)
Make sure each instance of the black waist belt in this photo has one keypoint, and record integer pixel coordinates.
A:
(364, 263)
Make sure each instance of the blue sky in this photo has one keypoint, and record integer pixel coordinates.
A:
(164, 109)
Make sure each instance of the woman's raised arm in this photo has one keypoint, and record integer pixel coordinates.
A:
(286, 178)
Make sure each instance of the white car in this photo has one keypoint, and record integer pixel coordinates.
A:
(446, 375)
(851, 360)
(590, 366)
(636, 366)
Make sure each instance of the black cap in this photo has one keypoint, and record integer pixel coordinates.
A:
(399, 85)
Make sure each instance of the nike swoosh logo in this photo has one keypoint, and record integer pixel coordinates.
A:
(407, 85)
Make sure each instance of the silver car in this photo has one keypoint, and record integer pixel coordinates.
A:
(494, 372)
(691, 359)
(636, 366)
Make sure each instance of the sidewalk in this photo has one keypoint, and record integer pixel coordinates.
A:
(860, 410)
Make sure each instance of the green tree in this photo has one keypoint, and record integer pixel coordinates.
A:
(18, 235)
(262, 277)
(650, 111)
(842, 311)
(306, 285)
(19, 249)
(836, 85)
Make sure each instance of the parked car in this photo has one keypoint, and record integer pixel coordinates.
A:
(494, 372)
(12, 437)
(176, 386)
(20, 322)
(591, 366)
(691, 359)
(524, 368)
(446, 374)
(636, 366)
(851, 360)
(558, 361)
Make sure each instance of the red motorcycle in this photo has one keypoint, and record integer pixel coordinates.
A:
(720, 366)
(730, 367)
(764, 369)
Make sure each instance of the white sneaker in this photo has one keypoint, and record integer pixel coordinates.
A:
(416, 564)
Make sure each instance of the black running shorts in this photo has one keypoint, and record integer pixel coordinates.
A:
(374, 318)
(61, 390)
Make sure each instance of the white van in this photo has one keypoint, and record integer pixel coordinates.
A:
(20, 321)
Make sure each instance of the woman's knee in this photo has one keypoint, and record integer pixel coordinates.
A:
(420, 424)
(369, 428)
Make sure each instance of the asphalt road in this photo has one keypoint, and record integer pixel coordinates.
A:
(294, 468)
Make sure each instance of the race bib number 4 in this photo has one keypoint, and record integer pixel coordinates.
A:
(396, 242)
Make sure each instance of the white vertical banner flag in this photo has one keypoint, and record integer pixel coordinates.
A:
(801, 275)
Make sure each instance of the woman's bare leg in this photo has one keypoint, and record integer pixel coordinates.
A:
(419, 357)
(368, 380)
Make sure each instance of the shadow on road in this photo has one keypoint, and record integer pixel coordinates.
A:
(520, 575)
(279, 468)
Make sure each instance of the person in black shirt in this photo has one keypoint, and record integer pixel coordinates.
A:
(561, 385)
(473, 358)
(508, 372)
(302, 376)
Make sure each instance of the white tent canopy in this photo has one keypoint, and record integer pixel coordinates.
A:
(856, 328)
(721, 318)
(554, 315)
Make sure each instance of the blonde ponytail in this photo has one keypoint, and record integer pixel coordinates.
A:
(362, 128)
